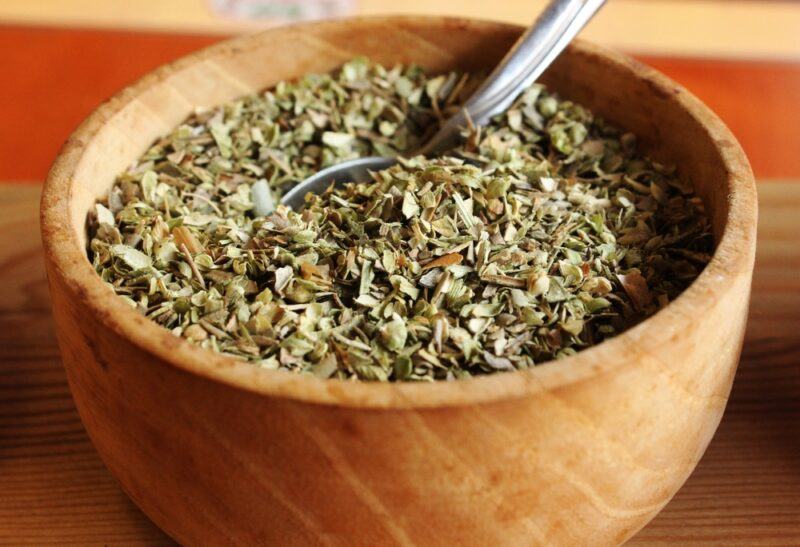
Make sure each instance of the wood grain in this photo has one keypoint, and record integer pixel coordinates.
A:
(54, 488)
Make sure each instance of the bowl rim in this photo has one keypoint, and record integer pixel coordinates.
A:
(67, 259)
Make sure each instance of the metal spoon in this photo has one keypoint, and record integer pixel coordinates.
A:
(535, 50)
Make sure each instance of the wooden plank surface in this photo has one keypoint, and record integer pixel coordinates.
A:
(54, 488)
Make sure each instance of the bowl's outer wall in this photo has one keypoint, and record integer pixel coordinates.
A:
(586, 462)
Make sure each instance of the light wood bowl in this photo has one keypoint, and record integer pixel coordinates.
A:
(581, 451)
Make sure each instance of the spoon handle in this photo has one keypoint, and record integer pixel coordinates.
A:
(555, 27)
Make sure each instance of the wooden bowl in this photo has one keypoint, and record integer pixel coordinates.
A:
(581, 451)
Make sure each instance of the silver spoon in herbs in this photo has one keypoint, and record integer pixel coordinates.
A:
(535, 50)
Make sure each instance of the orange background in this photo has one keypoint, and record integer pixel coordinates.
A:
(54, 77)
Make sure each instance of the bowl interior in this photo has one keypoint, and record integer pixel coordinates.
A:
(672, 126)
(584, 74)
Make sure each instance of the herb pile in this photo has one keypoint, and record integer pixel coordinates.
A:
(543, 233)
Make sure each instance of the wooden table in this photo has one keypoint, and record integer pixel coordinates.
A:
(54, 488)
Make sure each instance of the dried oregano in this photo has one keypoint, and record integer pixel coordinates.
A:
(543, 233)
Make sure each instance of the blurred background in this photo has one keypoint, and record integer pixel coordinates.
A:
(61, 58)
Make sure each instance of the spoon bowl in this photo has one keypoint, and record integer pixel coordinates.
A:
(357, 170)
(534, 51)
